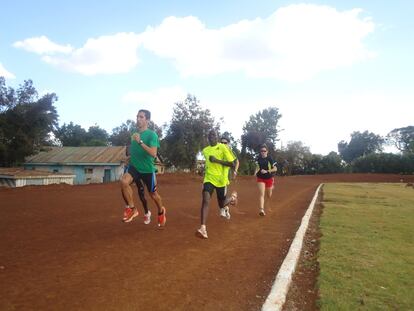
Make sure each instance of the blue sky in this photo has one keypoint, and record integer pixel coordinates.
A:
(331, 67)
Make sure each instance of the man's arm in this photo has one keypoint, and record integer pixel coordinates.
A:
(213, 159)
(152, 151)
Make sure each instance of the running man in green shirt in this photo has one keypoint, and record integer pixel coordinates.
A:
(216, 177)
(144, 145)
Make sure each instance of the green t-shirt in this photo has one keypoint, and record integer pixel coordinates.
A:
(140, 159)
(215, 173)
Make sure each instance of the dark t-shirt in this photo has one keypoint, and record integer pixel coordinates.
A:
(265, 164)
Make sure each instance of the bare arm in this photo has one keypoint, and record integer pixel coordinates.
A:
(152, 151)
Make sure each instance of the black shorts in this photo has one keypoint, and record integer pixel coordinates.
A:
(147, 178)
(221, 191)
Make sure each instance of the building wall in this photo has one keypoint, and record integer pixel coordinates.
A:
(85, 174)
(21, 181)
(7, 182)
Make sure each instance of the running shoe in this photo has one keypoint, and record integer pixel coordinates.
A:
(130, 213)
(262, 212)
(202, 233)
(233, 198)
(147, 218)
(223, 212)
(227, 212)
(162, 219)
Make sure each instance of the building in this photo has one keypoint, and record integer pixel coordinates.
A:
(18, 177)
(88, 164)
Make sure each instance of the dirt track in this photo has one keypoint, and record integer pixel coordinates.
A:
(65, 248)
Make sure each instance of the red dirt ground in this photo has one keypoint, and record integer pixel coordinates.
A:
(65, 248)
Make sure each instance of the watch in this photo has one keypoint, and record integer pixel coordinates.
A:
(140, 142)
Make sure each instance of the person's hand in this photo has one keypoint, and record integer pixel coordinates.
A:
(136, 137)
(263, 171)
(212, 158)
(234, 174)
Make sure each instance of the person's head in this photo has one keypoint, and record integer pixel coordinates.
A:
(224, 139)
(263, 150)
(143, 118)
(212, 137)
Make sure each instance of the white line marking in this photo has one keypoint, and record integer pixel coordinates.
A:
(280, 288)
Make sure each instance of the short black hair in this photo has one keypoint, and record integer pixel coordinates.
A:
(147, 113)
(226, 137)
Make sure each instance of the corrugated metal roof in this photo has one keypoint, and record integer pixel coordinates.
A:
(17, 172)
(78, 155)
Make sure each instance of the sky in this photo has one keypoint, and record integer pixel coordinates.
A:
(330, 67)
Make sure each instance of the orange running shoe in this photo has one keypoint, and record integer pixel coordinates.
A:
(162, 219)
(129, 214)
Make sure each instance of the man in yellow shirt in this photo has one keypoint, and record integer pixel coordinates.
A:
(218, 159)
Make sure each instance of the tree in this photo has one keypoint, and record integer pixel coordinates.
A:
(72, 135)
(261, 128)
(187, 131)
(26, 121)
(121, 135)
(385, 163)
(402, 138)
(298, 155)
(331, 163)
(361, 144)
(96, 136)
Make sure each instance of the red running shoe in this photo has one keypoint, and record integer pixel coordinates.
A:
(162, 219)
(129, 214)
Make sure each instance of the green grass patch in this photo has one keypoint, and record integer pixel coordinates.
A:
(366, 253)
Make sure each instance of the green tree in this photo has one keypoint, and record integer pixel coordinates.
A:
(261, 128)
(361, 144)
(402, 138)
(121, 135)
(331, 163)
(187, 131)
(299, 157)
(96, 136)
(384, 163)
(72, 135)
(26, 122)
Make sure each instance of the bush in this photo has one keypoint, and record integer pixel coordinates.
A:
(384, 163)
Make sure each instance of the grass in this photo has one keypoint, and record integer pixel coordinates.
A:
(366, 254)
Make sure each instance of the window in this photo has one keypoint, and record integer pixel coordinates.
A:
(88, 170)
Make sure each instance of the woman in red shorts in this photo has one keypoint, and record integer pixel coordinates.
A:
(265, 169)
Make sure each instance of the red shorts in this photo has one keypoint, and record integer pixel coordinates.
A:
(268, 181)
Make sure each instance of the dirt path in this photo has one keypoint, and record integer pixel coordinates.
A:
(65, 248)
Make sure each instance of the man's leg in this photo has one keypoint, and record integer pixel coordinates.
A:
(141, 195)
(126, 189)
(130, 212)
(205, 207)
(208, 189)
(150, 181)
(223, 202)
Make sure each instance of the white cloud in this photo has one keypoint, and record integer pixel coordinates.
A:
(159, 102)
(103, 55)
(295, 43)
(5, 73)
(42, 45)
